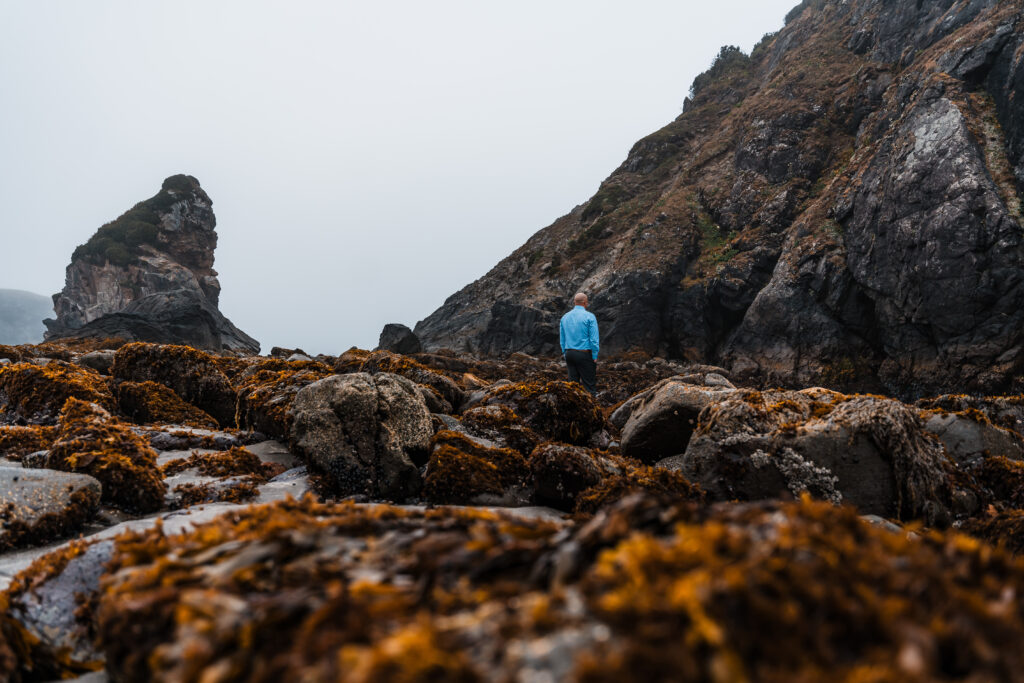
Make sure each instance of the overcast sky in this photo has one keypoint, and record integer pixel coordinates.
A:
(365, 160)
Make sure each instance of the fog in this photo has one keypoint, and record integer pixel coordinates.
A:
(365, 160)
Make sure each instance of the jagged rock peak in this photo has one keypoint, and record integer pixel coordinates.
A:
(842, 206)
(148, 276)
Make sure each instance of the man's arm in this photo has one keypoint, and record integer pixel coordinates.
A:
(595, 338)
(561, 334)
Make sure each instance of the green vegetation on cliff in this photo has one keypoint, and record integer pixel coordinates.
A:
(119, 241)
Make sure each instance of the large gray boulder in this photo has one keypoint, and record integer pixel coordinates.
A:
(871, 452)
(365, 432)
(39, 505)
(662, 419)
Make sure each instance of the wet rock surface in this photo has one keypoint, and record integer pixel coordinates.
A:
(40, 505)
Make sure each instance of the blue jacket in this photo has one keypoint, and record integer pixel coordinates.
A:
(578, 330)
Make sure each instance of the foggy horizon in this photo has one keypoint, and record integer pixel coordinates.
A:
(365, 163)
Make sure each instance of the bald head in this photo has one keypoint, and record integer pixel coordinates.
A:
(580, 299)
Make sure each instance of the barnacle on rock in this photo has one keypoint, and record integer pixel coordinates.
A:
(91, 442)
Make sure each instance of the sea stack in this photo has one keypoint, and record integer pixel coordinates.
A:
(148, 276)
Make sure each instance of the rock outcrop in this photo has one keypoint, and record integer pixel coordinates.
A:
(364, 432)
(399, 339)
(842, 207)
(148, 276)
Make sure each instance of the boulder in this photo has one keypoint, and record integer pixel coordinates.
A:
(559, 411)
(466, 472)
(561, 472)
(192, 374)
(37, 506)
(364, 432)
(500, 424)
(662, 419)
(398, 339)
(151, 402)
(970, 436)
(267, 389)
(101, 361)
(384, 361)
(91, 442)
(871, 452)
(36, 393)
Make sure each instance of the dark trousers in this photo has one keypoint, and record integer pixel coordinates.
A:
(582, 369)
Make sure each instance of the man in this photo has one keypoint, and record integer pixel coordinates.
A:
(579, 339)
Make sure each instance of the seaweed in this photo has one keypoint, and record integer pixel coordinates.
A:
(37, 393)
(233, 462)
(151, 402)
(560, 411)
(459, 469)
(91, 442)
(267, 389)
(192, 374)
(19, 441)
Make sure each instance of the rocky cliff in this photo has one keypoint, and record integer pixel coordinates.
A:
(842, 207)
(21, 316)
(148, 276)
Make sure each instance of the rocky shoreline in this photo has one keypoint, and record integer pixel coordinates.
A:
(169, 514)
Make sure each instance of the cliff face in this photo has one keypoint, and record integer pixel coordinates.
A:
(148, 276)
(843, 206)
